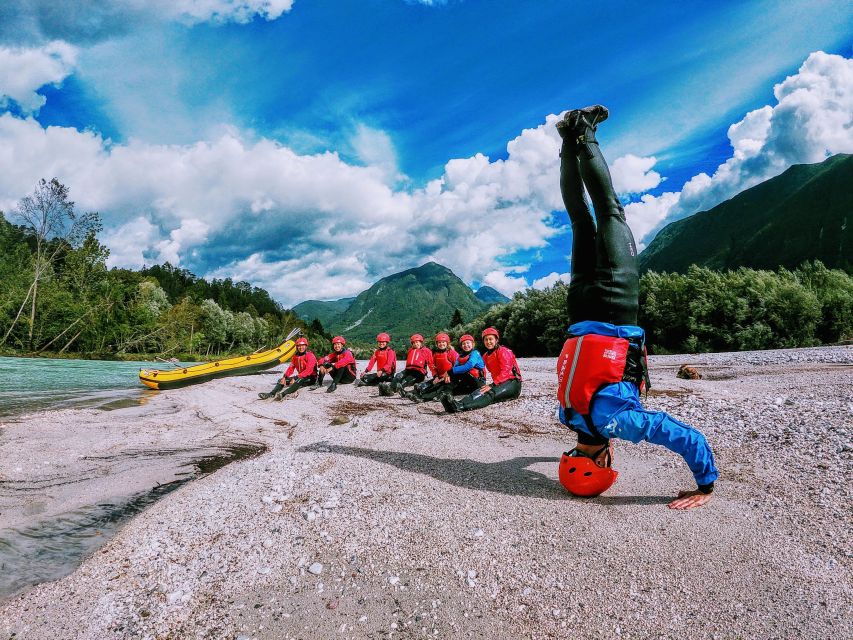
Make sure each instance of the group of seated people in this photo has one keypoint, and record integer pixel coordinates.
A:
(453, 373)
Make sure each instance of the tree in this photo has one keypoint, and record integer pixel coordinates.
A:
(49, 216)
(456, 320)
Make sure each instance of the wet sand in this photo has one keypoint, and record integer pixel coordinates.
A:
(372, 517)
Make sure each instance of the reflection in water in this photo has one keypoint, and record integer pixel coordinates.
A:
(53, 548)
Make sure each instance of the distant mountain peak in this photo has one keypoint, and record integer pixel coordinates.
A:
(421, 299)
(490, 295)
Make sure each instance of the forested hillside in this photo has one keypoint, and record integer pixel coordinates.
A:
(802, 214)
(59, 297)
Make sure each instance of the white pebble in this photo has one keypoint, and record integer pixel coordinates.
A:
(316, 568)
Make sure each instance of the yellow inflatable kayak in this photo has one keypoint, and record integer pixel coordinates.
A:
(239, 366)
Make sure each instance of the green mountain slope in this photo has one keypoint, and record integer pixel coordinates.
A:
(420, 300)
(490, 296)
(803, 214)
(324, 311)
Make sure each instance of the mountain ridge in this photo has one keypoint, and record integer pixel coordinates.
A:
(799, 215)
(418, 300)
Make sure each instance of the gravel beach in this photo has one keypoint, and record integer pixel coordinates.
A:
(370, 517)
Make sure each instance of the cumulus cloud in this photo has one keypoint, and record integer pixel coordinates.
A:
(550, 280)
(314, 226)
(811, 120)
(23, 71)
(258, 210)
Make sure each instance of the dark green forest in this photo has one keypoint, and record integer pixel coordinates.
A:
(698, 311)
(58, 296)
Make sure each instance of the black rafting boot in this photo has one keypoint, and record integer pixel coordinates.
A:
(385, 389)
(278, 387)
(450, 404)
(581, 124)
(332, 387)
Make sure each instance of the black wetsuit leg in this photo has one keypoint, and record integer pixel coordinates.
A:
(298, 383)
(583, 232)
(344, 375)
(278, 387)
(410, 377)
(614, 291)
(430, 391)
(464, 384)
(508, 390)
(373, 379)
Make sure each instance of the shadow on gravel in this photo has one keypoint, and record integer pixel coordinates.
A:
(510, 477)
(615, 501)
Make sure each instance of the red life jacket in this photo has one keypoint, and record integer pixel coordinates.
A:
(444, 360)
(420, 359)
(305, 365)
(591, 361)
(502, 364)
(384, 359)
(341, 360)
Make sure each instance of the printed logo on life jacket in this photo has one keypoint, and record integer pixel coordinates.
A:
(610, 354)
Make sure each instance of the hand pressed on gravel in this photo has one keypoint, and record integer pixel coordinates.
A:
(690, 500)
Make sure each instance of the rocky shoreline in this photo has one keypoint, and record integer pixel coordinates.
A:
(375, 518)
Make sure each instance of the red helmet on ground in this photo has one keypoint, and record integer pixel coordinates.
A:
(417, 336)
(582, 477)
(302, 340)
(337, 339)
(467, 336)
(442, 336)
(383, 337)
(491, 331)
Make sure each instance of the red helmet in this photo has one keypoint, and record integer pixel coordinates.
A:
(383, 337)
(582, 477)
(442, 336)
(417, 336)
(302, 340)
(338, 339)
(467, 336)
(491, 331)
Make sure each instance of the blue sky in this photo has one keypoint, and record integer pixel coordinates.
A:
(294, 144)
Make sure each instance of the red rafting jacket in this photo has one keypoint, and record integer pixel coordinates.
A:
(502, 365)
(305, 365)
(384, 359)
(340, 360)
(444, 360)
(420, 359)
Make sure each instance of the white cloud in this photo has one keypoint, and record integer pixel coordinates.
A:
(23, 71)
(228, 197)
(633, 174)
(374, 148)
(550, 280)
(239, 11)
(313, 226)
(811, 120)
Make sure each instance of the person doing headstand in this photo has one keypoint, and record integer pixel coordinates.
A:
(602, 367)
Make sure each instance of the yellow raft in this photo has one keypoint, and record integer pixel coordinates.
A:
(239, 366)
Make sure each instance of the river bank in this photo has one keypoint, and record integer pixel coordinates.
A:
(373, 517)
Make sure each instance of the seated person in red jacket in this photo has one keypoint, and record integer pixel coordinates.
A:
(385, 360)
(506, 378)
(418, 360)
(340, 364)
(302, 372)
(444, 356)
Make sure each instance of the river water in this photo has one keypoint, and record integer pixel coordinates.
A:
(32, 384)
(47, 548)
